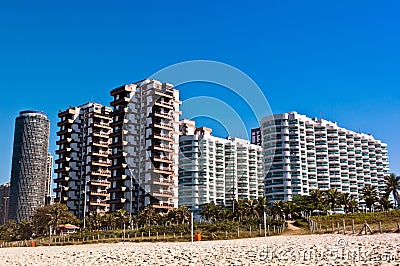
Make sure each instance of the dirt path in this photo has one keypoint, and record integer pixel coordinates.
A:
(294, 230)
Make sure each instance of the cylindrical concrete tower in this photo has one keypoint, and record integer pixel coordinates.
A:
(29, 165)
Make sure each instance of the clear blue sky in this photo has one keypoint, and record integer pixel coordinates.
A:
(340, 59)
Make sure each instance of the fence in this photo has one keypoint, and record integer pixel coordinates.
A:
(347, 226)
(148, 236)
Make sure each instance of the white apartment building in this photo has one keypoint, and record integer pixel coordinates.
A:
(302, 153)
(144, 170)
(217, 170)
(83, 166)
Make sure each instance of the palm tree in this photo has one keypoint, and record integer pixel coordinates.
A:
(385, 203)
(277, 208)
(121, 216)
(370, 196)
(147, 215)
(347, 200)
(262, 205)
(239, 209)
(316, 198)
(207, 211)
(290, 209)
(183, 214)
(332, 197)
(393, 186)
(250, 207)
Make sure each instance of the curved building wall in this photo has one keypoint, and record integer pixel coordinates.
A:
(29, 165)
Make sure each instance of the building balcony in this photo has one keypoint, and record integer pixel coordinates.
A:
(98, 203)
(168, 105)
(164, 92)
(65, 131)
(168, 171)
(167, 137)
(64, 150)
(163, 206)
(62, 141)
(100, 144)
(101, 163)
(65, 122)
(103, 193)
(164, 194)
(121, 100)
(63, 169)
(62, 160)
(101, 134)
(100, 153)
(163, 126)
(105, 173)
(102, 183)
(102, 125)
(164, 159)
(62, 179)
(165, 148)
(164, 182)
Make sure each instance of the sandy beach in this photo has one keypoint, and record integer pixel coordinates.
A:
(379, 249)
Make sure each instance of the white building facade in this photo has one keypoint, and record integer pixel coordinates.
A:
(302, 153)
(217, 170)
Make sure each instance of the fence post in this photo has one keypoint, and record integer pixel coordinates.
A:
(268, 230)
(259, 229)
(333, 228)
(149, 235)
(250, 231)
(226, 234)
(274, 229)
(352, 226)
(380, 227)
(157, 235)
(238, 232)
(142, 236)
(398, 227)
(338, 227)
(164, 235)
(344, 226)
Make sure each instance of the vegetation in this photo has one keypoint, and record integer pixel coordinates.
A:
(246, 214)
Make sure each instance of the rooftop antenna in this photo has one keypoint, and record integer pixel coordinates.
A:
(320, 116)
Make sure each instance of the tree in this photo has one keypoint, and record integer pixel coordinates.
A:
(147, 215)
(262, 205)
(348, 202)
(51, 215)
(251, 208)
(290, 209)
(332, 197)
(24, 230)
(207, 211)
(392, 187)
(277, 208)
(370, 196)
(385, 204)
(183, 214)
(316, 199)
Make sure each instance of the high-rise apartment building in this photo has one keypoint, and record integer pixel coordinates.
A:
(144, 146)
(217, 170)
(82, 172)
(29, 165)
(49, 177)
(4, 196)
(303, 153)
(256, 136)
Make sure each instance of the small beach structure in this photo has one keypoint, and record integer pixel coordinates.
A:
(66, 229)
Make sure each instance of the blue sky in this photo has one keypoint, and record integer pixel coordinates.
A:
(338, 59)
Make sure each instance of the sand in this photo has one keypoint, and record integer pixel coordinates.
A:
(333, 249)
